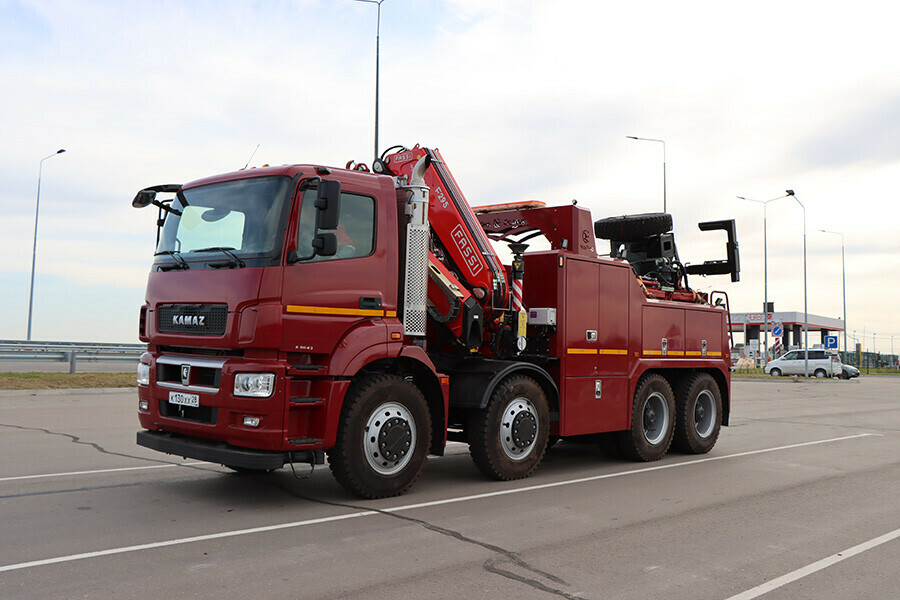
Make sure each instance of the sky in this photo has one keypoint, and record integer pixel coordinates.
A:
(525, 100)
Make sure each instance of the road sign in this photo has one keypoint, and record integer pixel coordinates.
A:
(831, 341)
(777, 331)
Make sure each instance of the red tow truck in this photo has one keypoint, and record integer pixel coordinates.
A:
(300, 310)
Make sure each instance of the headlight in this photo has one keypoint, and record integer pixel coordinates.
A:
(255, 385)
(143, 374)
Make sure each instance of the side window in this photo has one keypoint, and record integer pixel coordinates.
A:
(816, 354)
(790, 356)
(355, 231)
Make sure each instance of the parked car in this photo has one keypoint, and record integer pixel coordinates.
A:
(821, 364)
(848, 371)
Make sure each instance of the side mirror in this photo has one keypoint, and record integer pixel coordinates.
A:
(143, 199)
(325, 244)
(328, 205)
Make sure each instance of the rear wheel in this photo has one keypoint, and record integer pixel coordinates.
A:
(508, 438)
(820, 373)
(652, 420)
(698, 403)
(383, 437)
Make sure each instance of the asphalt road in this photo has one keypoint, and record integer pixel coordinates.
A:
(799, 499)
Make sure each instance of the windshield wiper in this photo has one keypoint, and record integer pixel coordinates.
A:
(180, 262)
(234, 262)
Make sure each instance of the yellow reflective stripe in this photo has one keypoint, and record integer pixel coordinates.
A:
(581, 351)
(714, 354)
(676, 352)
(615, 351)
(329, 310)
(653, 352)
(693, 353)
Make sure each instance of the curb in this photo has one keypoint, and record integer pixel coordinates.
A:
(65, 391)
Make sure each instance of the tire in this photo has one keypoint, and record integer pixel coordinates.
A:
(383, 437)
(820, 373)
(775, 372)
(652, 420)
(632, 228)
(698, 414)
(508, 438)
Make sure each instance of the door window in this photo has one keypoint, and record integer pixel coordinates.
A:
(355, 231)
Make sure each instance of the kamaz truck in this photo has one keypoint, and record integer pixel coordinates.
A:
(300, 311)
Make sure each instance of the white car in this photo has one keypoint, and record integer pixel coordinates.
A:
(821, 364)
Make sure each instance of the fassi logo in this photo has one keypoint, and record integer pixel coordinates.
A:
(466, 251)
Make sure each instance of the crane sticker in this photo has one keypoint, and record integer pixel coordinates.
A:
(466, 251)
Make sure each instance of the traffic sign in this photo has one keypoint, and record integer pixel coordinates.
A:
(831, 341)
(777, 331)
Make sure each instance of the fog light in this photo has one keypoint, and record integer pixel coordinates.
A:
(143, 374)
(251, 421)
(254, 385)
(143, 405)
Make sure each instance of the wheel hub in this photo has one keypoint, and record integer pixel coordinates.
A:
(519, 429)
(394, 438)
(389, 438)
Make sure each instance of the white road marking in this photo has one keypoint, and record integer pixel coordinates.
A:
(366, 513)
(815, 567)
(97, 471)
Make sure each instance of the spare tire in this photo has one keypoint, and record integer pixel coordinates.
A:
(632, 228)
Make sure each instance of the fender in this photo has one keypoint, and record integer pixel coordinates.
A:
(472, 381)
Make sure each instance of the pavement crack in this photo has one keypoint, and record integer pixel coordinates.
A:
(77, 440)
(532, 576)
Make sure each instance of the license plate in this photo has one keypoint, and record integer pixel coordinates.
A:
(184, 399)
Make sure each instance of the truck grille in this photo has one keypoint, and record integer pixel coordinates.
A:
(192, 319)
(197, 414)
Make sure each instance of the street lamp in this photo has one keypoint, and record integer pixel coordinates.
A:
(805, 309)
(844, 278)
(765, 274)
(631, 137)
(377, 62)
(37, 206)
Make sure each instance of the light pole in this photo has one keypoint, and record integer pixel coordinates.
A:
(631, 137)
(377, 64)
(765, 274)
(805, 305)
(37, 206)
(844, 278)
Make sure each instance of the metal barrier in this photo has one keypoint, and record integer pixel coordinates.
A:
(70, 352)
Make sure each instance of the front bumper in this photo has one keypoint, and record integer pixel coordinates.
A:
(225, 454)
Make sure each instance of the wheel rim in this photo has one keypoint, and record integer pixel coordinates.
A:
(820, 374)
(704, 414)
(655, 418)
(390, 438)
(518, 429)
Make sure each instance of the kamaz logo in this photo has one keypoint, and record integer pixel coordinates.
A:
(189, 320)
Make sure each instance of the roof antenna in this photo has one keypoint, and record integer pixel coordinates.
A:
(251, 157)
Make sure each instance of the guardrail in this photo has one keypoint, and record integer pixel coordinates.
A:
(70, 352)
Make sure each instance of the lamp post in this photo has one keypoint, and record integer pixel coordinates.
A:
(805, 305)
(37, 206)
(844, 279)
(765, 275)
(631, 137)
(377, 64)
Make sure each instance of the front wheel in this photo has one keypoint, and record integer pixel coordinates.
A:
(775, 372)
(652, 420)
(383, 437)
(508, 438)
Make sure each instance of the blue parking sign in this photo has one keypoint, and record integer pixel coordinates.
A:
(831, 341)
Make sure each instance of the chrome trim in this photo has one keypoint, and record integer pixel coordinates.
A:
(187, 388)
(194, 361)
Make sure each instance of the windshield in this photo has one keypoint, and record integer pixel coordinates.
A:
(244, 217)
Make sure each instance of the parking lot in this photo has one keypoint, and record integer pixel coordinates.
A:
(799, 499)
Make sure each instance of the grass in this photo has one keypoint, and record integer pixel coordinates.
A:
(62, 381)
